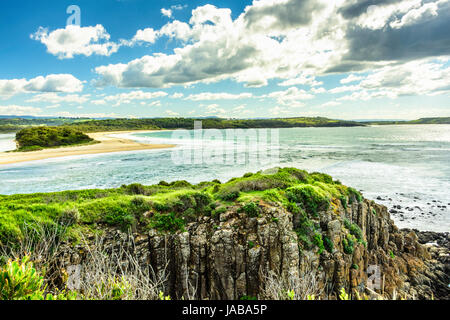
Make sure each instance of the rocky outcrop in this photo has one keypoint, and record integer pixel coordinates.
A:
(231, 255)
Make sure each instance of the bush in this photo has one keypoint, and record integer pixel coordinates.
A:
(136, 188)
(251, 209)
(47, 137)
(20, 281)
(318, 241)
(328, 244)
(230, 196)
(120, 217)
(348, 244)
(167, 223)
(69, 217)
(356, 231)
(353, 194)
(310, 197)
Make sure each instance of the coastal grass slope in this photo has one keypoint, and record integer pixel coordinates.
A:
(168, 207)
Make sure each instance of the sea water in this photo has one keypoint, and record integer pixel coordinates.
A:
(405, 167)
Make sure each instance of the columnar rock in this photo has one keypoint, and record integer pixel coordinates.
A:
(233, 255)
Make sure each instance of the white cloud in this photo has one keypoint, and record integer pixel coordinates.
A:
(14, 110)
(52, 83)
(290, 40)
(172, 113)
(177, 95)
(55, 98)
(147, 35)
(166, 12)
(301, 80)
(75, 40)
(351, 78)
(277, 111)
(290, 97)
(331, 104)
(127, 98)
(67, 114)
(413, 16)
(206, 96)
(344, 89)
(412, 78)
(214, 109)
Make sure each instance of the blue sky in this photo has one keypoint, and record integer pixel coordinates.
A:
(240, 59)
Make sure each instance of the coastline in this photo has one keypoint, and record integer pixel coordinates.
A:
(107, 144)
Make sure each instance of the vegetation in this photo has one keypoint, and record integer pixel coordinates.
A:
(437, 120)
(171, 207)
(19, 280)
(15, 124)
(207, 123)
(47, 137)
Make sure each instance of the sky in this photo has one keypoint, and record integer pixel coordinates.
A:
(343, 59)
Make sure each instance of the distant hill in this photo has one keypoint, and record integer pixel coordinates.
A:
(14, 124)
(436, 120)
(207, 123)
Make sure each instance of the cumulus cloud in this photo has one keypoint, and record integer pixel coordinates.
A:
(291, 97)
(412, 78)
(147, 35)
(166, 12)
(218, 96)
(294, 41)
(55, 98)
(75, 40)
(15, 110)
(52, 83)
(129, 97)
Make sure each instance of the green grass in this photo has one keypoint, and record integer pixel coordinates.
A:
(170, 207)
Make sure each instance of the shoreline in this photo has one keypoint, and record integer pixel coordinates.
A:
(107, 144)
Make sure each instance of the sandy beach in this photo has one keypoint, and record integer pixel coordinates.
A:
(107, 144)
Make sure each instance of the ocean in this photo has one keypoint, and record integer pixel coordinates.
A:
(405, 167)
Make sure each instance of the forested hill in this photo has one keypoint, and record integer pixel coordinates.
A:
(210, 123)
(437, 120)
(14, 124)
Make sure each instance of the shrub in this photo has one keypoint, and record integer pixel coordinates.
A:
(344, 201)
(328, 244)
(180, 184)
(167, 223)
(19, 280)
(120, 217)
(311, 198)
(293, 207)
(353, 194)
(230, 196)
(347, 224)
(356, 231)
(136, 188)
(251, 209)
(321, 177)
(318, 241)
(161, 207)
(348, 244)
(69, 217)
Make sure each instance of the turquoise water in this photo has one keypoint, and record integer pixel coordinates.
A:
(407, 166)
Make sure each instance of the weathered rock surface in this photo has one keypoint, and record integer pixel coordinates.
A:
(230, 256)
